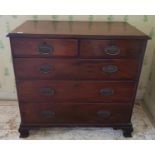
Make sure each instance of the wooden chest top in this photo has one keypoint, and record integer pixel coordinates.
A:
(80, 29)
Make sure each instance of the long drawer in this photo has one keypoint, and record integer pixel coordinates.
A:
(45, 68)
(110, 48)
(74, 91)
(44, 47)
(75, 113)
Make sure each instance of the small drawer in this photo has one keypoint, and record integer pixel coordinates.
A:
(45, 68)
(44, 47)
(110, 48)
(74, 91)
(75, 113)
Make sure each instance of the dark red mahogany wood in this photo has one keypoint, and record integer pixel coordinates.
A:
(95, 48)
(77, 29)
(74, 91)
(30, 47)
(77, 73)
(81, 113)
(79, 69)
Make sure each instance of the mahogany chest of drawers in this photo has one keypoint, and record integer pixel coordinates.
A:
(76, 73)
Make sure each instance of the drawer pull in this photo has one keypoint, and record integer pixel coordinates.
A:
(45, 48)
(112, 50)
(45, 68)
(47, 113)
(107, 91)
(110, 69)
(47, 91)
(104, 114)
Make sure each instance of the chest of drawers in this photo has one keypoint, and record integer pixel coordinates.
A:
(76, 73)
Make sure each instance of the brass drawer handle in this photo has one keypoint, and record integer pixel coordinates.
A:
(106, 91)
(45, 49)
(110, 69)
(112, 50)
(104, 113)
(47, 113)
(47, 91)
(45, 68)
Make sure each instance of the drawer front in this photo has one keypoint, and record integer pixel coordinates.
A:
(44, 47)
(110, 49)
(74, 91)
(75, 113)
(45, 68)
